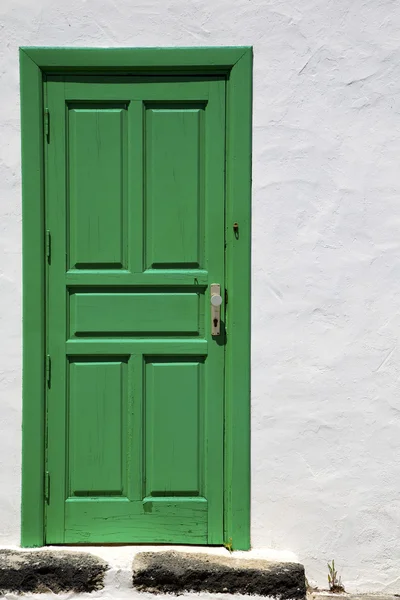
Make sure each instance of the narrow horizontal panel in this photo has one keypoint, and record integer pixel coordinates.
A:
(96, 186)
(173, 427)
(174, 522)
(111, 314)
(196, 347)
(148, 278)
(165, 91)
(127, 79)
(168, 499)
(96, 428)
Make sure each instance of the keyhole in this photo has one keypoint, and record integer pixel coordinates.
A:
(215, 323)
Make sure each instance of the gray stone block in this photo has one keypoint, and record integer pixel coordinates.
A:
(178, 572)
(50, 571)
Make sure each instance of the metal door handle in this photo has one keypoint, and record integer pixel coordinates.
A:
(216, 301)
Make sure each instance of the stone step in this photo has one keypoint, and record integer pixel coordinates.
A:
(130, 572)
(178, 572)
(40, 572)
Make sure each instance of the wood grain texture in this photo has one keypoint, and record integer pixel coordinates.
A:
(155, 521)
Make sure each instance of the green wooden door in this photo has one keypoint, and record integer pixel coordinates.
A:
(135, 215)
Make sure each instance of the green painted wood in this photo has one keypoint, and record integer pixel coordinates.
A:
(154, 59)
(97, 451)
(97, 186)
(238, 261)
(37, 64)
(158, 521)
(149, 346)
(125, 424)
(147, 278)
(136, 211)
(214, 263)
(57, 306)
(121, 313)
(130, 90)
(174, 467)
(32, 516)
(174, 191)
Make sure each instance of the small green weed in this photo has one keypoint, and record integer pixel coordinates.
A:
(228, 545)
(335, 582)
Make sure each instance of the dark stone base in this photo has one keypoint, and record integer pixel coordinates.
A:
(178, 572)
(41, 572)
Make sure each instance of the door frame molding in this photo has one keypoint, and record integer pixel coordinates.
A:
(236, 64)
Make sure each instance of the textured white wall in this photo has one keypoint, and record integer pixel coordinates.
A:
(326, 250)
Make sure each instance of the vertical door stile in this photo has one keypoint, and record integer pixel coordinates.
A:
(214, 251)
(135, 192)
(56, 310)
(47, 263)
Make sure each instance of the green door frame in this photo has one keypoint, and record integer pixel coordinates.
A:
(236, 64)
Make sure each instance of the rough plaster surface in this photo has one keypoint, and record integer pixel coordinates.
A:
(326, 269)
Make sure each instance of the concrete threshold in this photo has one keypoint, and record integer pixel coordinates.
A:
(121, 572)
(326, 595)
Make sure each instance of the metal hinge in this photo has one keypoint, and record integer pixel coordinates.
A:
(46, 123)
(48, 370)
(48, 245)
(47, 487)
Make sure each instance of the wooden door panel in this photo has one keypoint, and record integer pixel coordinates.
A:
(125, 89)
(153, 522)
(97, 435)
(97, 186)
(115, 313)
(174, 203)
(134, 346)
(150, 277)
(173, 452)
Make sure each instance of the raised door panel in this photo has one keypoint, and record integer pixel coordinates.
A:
(97, 172)
(174, 431)
(125, 313)
(97, 427)
(174, 186)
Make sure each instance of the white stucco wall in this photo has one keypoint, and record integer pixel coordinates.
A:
(326, 259)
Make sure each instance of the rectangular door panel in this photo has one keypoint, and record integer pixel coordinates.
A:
(97, 160)
(175, 522)
(120, 313)
(174, 191)
(97, 440)
(173, 427)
